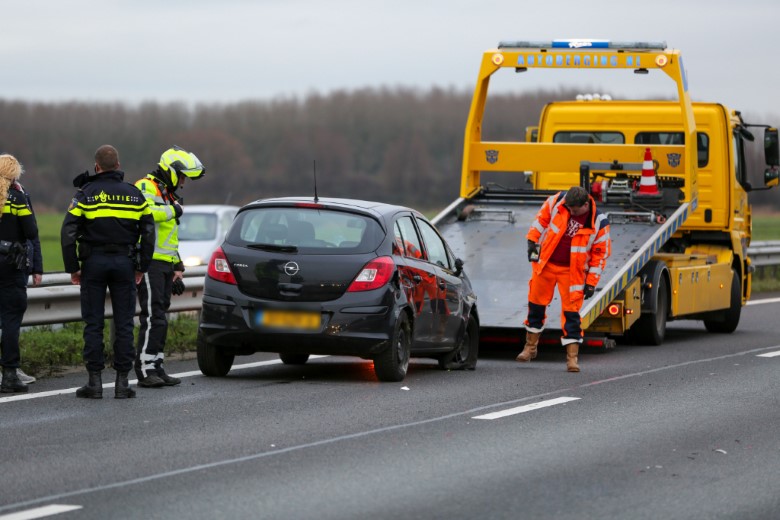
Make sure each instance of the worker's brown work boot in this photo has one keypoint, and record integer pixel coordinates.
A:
(529, 351)
(572, 349)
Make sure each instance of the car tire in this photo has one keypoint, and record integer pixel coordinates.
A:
(391, 364)
(464, 356)
(212, 361)
(293, 359)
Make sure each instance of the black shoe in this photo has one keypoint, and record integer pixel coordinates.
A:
(122, 388)
(11, 383)
(168, 380)
(94, 388)
(152, 380)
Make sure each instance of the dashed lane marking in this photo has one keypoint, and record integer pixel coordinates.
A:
(39, 512)
(525, 408)
(770, 354)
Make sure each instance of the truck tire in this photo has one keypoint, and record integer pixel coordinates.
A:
(464, 356)
(650, 329)
(729, 319)
(212, 361)
(294, 359)
(392, 363)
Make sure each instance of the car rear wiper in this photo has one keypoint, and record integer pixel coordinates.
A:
(274, 247)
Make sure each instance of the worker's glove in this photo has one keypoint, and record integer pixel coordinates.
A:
(588, 291)
(178, 287)
(533, 251)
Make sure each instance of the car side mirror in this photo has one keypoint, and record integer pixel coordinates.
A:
(458, 266)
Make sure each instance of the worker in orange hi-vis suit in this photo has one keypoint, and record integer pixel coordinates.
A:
(568, 244)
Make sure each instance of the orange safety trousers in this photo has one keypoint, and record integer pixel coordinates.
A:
(541, 289)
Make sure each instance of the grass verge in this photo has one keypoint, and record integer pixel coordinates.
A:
(49, 350)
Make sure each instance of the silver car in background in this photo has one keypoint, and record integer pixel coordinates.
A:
(202, 229)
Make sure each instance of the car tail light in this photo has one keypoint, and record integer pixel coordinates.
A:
(219, 269)
(374, 275)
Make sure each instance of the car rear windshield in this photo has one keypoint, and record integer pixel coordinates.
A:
(308, 230)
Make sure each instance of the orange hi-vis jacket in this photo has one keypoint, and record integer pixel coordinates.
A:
(590, 247)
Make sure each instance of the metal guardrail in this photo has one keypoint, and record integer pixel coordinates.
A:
(56, 300)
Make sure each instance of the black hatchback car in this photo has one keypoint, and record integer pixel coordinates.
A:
(302, 276)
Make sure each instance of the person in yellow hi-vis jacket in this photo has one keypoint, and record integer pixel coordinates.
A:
(166, 269)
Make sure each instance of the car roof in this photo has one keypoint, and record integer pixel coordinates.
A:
(379, 208)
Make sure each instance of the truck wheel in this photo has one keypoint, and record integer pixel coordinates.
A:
(294, 359)
(650, 329)
(392, 363)
(464, 357)
(729, 319)
(212, 361)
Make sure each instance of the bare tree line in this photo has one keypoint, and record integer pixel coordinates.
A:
(395, 145)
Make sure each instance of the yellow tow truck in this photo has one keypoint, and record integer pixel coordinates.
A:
(679, 247)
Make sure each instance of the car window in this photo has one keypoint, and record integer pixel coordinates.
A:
(197, 226)
(407, 243)
(309, 229)
(437, 251)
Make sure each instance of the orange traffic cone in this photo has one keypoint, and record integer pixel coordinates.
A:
(648, 184)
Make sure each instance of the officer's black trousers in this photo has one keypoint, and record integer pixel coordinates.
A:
(115, 272)
(154, 297)
(13, 303)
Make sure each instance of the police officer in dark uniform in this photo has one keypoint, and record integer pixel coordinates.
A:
(17, 226)
(106, 219)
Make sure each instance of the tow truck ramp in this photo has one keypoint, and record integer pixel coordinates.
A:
(489, 236)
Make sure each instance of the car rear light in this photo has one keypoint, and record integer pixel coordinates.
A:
(308, 205)
(374, 275)
(219, 269)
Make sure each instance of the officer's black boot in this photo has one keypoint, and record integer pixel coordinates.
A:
(122, 388)
(11, 383)
(168, 380)
(94, 388)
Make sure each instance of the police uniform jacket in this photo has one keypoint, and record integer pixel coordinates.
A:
(107, 212)
(18, 222)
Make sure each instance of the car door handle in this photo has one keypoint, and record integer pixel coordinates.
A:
(417, 278)
(442, 284)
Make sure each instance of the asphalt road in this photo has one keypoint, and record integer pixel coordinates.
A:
(687, 430)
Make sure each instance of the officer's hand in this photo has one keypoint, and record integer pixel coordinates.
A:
(178, 210)
(75, 278)
(533, 251)
(588, 291)
(36, 279)
(177, 287)
(138, 277)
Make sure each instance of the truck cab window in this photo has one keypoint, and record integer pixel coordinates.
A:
(677, 138)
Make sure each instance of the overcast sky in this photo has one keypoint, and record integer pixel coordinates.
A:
(229, 50)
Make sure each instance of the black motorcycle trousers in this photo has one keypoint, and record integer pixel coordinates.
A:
(154, 297)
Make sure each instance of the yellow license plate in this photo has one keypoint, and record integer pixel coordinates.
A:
(291, 320)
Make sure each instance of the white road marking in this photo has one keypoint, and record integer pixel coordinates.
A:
(39, 512)
(525, 408)
(766, 300)
(36, 395)
(277, 451)
(770, 354)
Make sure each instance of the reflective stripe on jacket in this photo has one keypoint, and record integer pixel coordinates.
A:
(166, 247)
(590, 247)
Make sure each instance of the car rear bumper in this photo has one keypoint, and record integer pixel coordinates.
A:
(359, 324)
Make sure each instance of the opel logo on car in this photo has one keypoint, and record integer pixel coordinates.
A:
(291, 268)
